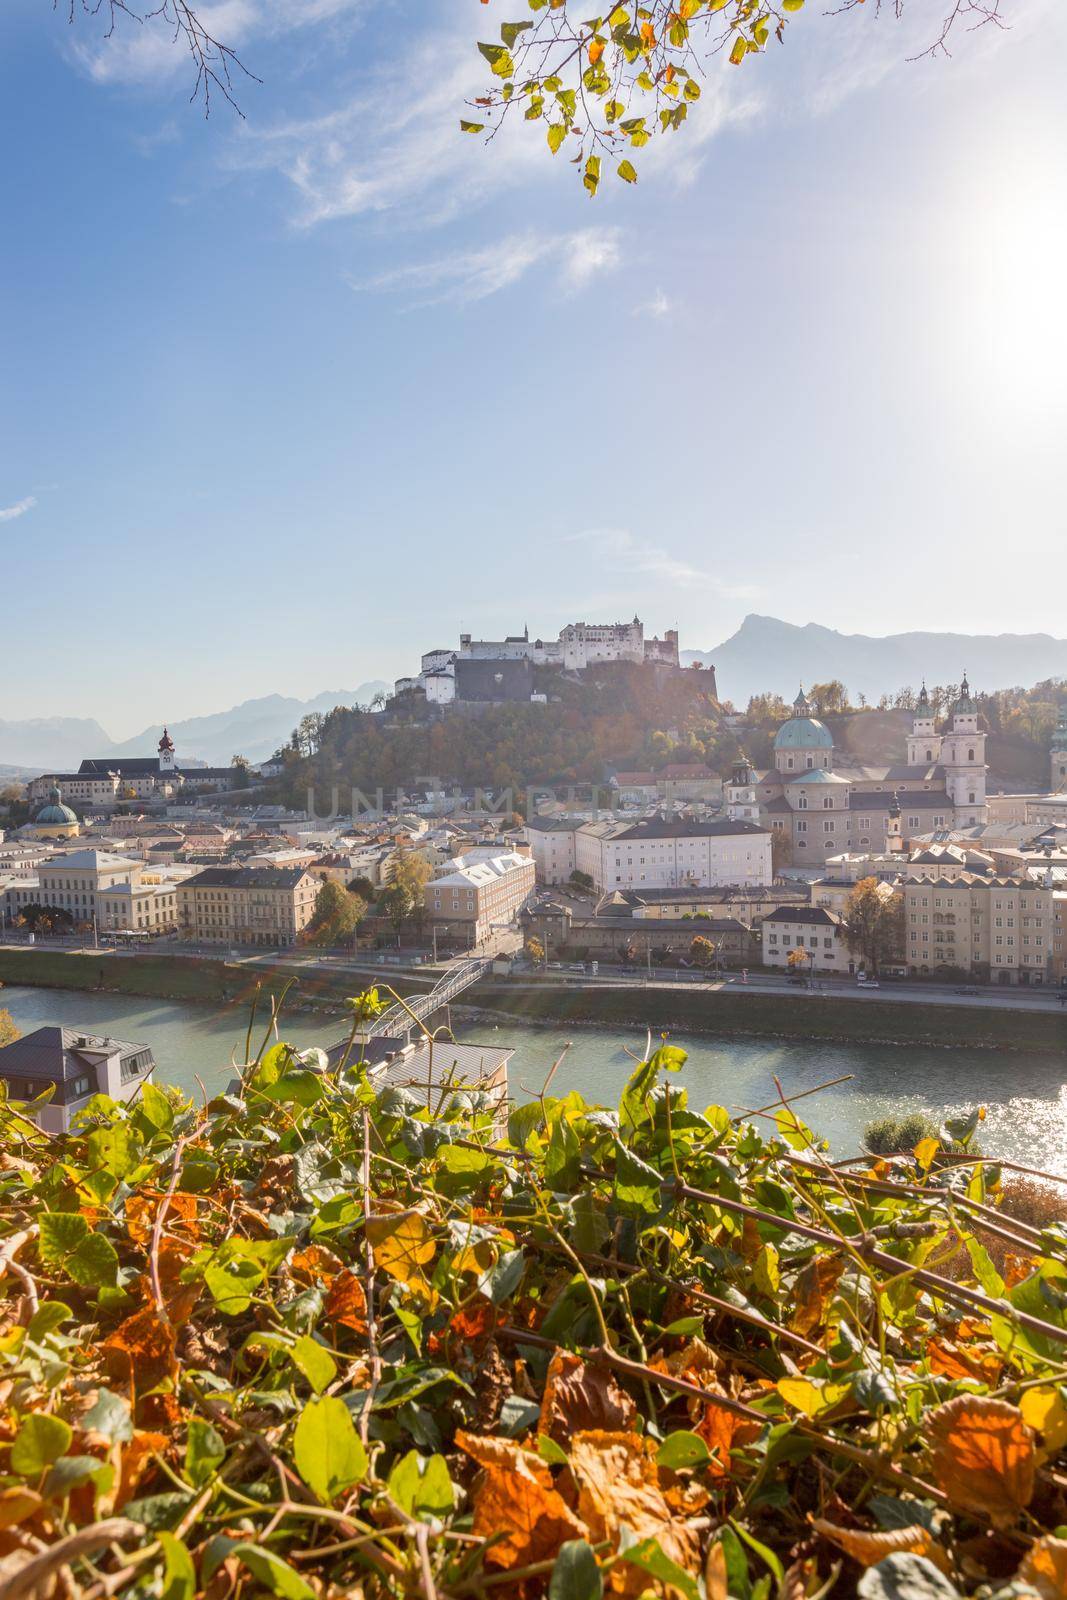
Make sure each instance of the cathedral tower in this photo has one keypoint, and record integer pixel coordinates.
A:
(963, 758)
(924, 742)
(1058, 754)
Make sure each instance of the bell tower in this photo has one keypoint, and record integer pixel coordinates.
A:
(963, 757)
(166, 752)
(924, 743)
(1058, 754)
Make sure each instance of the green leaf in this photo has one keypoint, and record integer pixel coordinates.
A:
(109, 1415)
(592, 174)
(273, 1573)
(95, 1263)
(556, 132)
(327, 1449)
(499, 59)
(315, 1362)
(682, 1449)
(627, 172)
(650, 1556)
(61, 1232)
(40, 1440)
(575, 1573)
(509, 31)
(179, 1574)
(205, 1450)
(637, 1185)
(550, 1451)
(422, 1486)
(563, 1157)
(50, 1315)
(70, 1472)
(984, 1270)
(792, 5)
(470, 127)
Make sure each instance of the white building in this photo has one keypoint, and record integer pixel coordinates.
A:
(73, 1066)
(486, 888)
(815, 931)
(659, 852)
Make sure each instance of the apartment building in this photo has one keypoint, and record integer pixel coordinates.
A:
(487, 890)
(247, 905)
(814, 930)
(999, 930)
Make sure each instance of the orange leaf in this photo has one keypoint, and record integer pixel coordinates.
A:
(721, 1430)
(17, 1504)
(983, 1456)
(648, 35)
(1044, 1568)
(870, 1548)
(141, 1351)
(136, 1459)
(346, 1302)
(578, 1397)
(596, 50)
(474, 1321)
(315, 1265)
(516, 1503)
(952, 1361)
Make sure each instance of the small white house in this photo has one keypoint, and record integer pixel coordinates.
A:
(815, 931)
(75, 1066)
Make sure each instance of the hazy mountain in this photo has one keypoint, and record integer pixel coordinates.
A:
(50, 741)
(254, 729)
(768, 655)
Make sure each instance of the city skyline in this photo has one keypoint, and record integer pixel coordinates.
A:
(267, 373)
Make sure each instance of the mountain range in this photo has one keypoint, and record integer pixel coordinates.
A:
(766, 655)
(254, 729)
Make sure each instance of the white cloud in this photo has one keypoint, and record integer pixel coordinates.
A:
(627, 553)
(19, 509)
(573, 259)
(658, 306)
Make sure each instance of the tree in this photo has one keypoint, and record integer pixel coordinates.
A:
(393, 903)
(8, 1031)
(308, 733)
(702, 951)
(363, 887)
(829, 697)
(408, 874)
(601, 87)
(798, 958)
(874, 924)
(242, 777)
(781, 849)
(46, 919)
(581, 881)
(535, 950)
(336, 916)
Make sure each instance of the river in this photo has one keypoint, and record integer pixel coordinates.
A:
(1024, 1095)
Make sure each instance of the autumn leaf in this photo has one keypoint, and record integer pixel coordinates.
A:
(578, 1397)
(402, 1245)
(870, 1548)
(960, 1362)
(813, 1291)
(516, 1503)
(618, 1486)
(346, 1303)
(1044, 1568)
(140, 1352)
(983, 1456)
(722, 1431)
(596, 50)
(136, 1461)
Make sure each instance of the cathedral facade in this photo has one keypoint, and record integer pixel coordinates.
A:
(819, 805)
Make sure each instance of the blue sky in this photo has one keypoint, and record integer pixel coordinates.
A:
(284, 401)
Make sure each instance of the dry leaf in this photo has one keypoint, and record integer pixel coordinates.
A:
(721, 1431)
(140, 1352)
(136, 1460)
(618, 1483)
(813, 1292)
(17, 1504)
(868, 1548)
(983, 1455)
(516, 1503)
(402, 1245)
(961, 1362)
(578, 1397)
(715, 1581)
(1044, 1568)
(346, 1302)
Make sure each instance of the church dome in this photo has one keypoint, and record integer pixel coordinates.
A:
(1059, 737)
(55, 814)
(803, 733)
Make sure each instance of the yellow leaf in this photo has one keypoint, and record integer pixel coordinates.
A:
(924, 1152)
(1044, 1411)
(810, 1397)
(402, 1244)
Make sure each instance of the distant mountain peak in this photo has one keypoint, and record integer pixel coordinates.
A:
(767, 655)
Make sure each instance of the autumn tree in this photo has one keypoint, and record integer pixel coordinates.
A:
(337, 915)
(8, 1031)
(535, 950)
(874, 924)
(597, 88)
(829, 697)
(702, 951)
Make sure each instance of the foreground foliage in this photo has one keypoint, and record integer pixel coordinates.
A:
(320, 1338)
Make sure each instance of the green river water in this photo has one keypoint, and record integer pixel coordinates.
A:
(1025, 1095)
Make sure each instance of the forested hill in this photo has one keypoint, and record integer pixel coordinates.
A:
(628, 715)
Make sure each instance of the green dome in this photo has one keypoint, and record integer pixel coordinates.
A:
(803, 733)
(55, 813)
